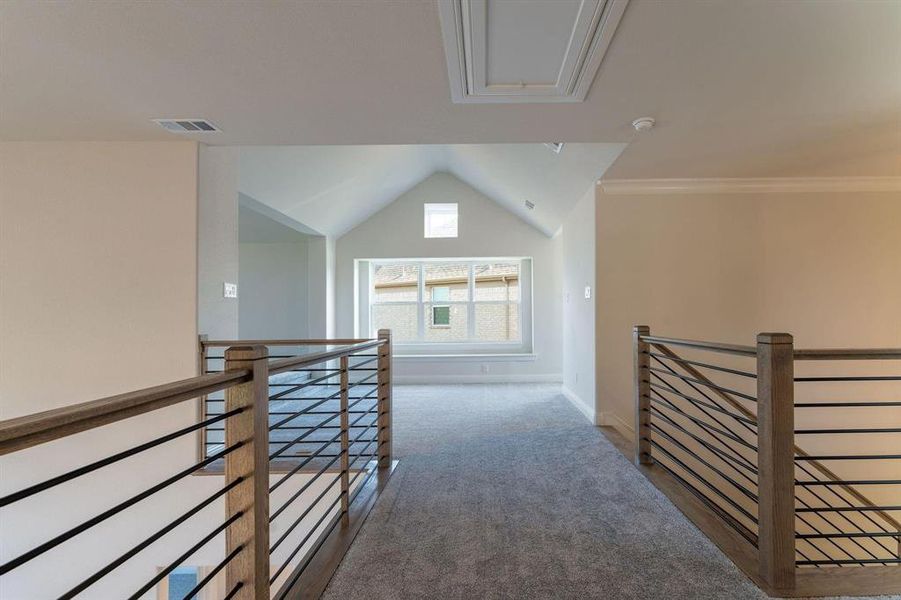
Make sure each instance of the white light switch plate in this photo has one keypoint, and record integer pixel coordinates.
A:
(587, 292)
(230, 290)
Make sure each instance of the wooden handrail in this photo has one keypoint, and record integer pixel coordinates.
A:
(712, 346)
(38, 428)
(825, 471)
(49, 425)
(287, 342)
(849, 354)
(245, 456)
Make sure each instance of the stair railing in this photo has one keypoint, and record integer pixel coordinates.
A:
(730, 444)
(312, 510)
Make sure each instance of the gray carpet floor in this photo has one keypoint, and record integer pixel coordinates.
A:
(506, 491)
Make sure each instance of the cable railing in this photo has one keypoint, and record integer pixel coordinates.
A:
(298, 475)
(849, 421)
(693, 422)
(719, 420)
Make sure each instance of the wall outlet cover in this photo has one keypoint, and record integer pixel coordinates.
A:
(587, 292)
(230, 290)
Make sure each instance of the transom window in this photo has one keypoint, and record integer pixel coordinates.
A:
(447, 301)
(441, 220)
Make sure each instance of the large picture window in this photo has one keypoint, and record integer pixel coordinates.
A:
(447, 301)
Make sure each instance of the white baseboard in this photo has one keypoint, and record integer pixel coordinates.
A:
(611, 419)
(487, 378)
(580, 404)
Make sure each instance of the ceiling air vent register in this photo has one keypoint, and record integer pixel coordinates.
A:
(186, 125)
(539, 51)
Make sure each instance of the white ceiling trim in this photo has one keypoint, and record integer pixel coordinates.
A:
(464, 26)
(748, 186)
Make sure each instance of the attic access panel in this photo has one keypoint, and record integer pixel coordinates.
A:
(537, 51)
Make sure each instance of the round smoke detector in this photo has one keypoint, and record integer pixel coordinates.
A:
(643, 124)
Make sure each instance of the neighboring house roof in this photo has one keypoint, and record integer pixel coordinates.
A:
(400, 273)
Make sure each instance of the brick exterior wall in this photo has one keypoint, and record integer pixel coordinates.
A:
(494, 322)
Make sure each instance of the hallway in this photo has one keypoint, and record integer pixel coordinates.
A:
(506, 491)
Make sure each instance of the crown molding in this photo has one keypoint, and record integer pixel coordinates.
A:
(750, 185)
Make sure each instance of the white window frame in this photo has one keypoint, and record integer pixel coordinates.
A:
(366, 291)
(445, 208)
(438, 304)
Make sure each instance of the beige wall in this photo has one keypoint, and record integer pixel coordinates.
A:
(98, 268)
(825, 267)
(98, 284)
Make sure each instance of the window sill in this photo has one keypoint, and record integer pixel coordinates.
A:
(472, 356)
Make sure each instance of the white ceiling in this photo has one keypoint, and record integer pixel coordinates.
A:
(331, 189)
(740, 88)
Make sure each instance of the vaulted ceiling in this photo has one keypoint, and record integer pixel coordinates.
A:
(331, 189)
(740, 88)
(255, 228)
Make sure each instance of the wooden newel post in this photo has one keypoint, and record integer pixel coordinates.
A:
(250, 462)
(384, 395)
(642, 360)
(776, 458)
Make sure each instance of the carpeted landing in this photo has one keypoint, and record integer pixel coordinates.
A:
(506, 491)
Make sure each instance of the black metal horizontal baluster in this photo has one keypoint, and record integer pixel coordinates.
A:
(59, 539)
(751, 431)
(54, 481)
(147, 542)
(302, 489)
(316, 454)
(294, 387)
(306, 485)
(740, 528)
(306, 539)
(187, 554)
(191, 595)
(712, 386)
(715, 419)
(844, 404)
(704, 425)
(304, 435)
(663, 357)
(748, 493)
(698, 403)
(707, 484)
(852, 508)
(234, 591)
(861, 561)
(829, 521)
(303, 515)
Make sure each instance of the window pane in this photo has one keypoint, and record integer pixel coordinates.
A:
(395, 282)
(441, 315)
(399, 318)
(440, 220)
(497, 322)
(497, 281)
(440, 293)
(457, 323)
(452, 276)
